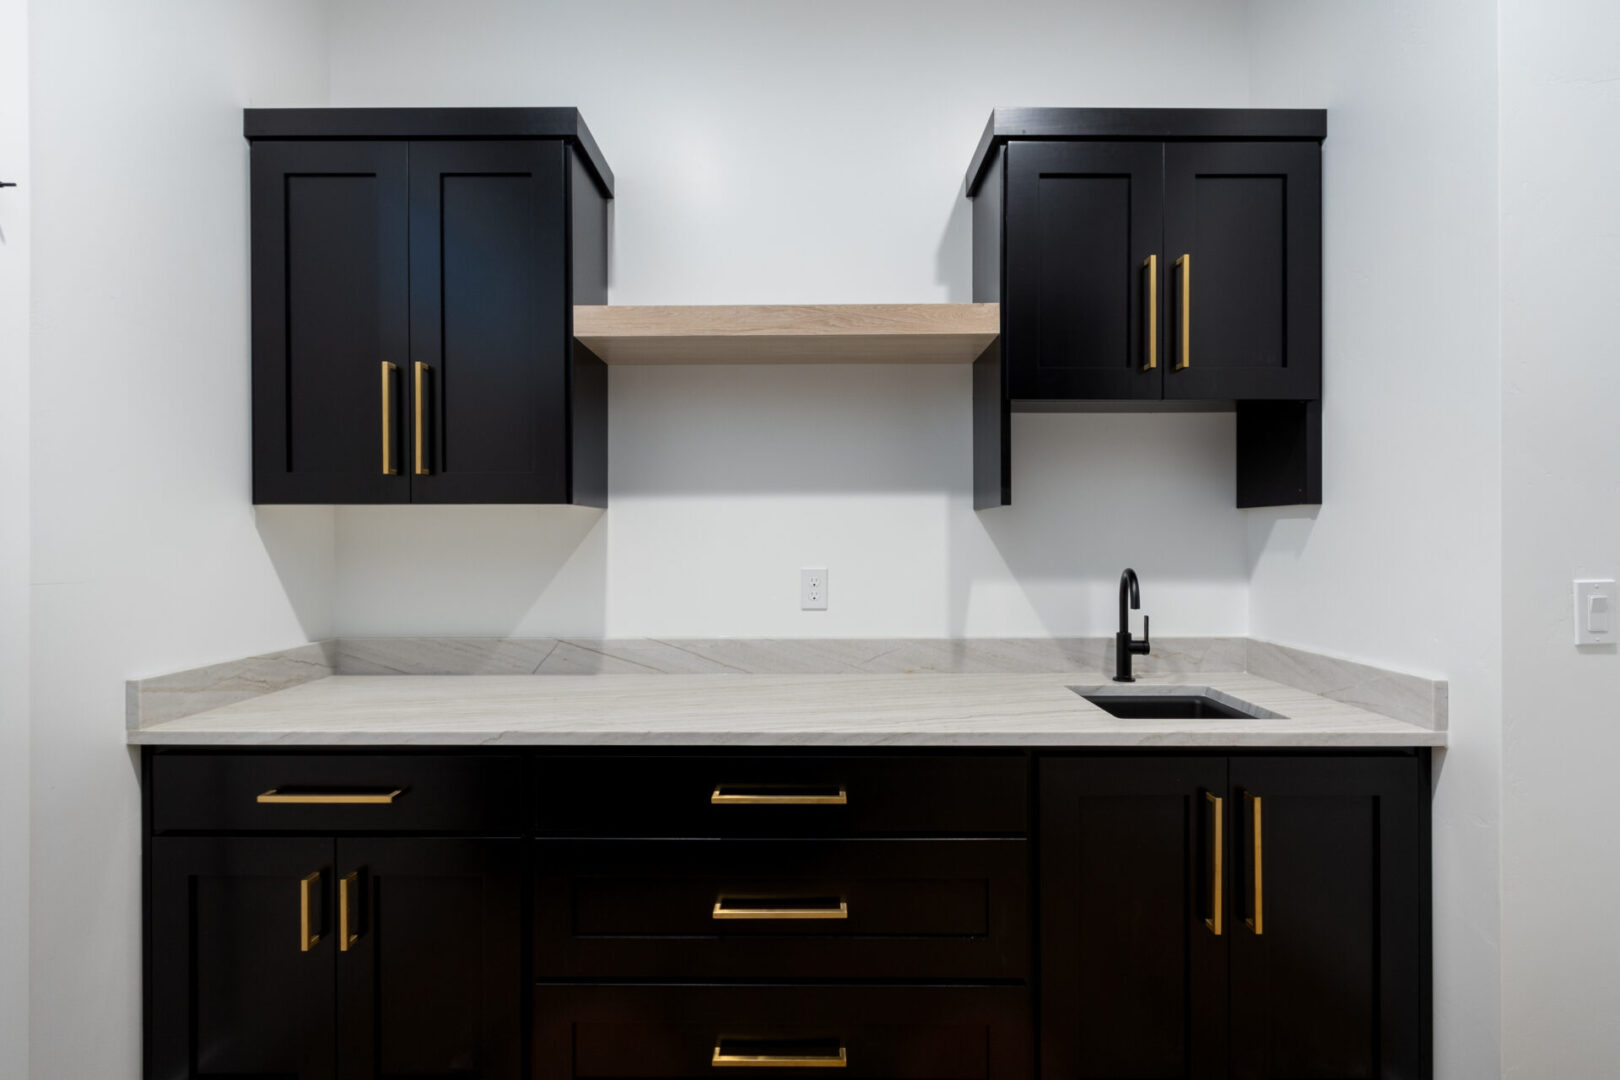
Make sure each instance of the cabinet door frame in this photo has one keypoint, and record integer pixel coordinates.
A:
(1123, 377)
(1064, 783)
(174, 944)
(272, 163)
(1299, 165)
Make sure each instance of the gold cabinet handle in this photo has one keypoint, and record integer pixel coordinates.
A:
(1151, 265)
(767, 795)
(389, 466)
(1257, 921)
(307, 939)
(752, 1054)
(348, 892)
(331, 798)
(1217, 846)
(1184, 357)
(760, 907)
(419, 411)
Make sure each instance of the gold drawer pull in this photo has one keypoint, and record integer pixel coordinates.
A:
(348, 894)
(331, 798)
(307, 939)
(1215, 923)
(763, 907)
(779, 795)
(1257, 921)
(1151, 266)
(419, 412)
(754, 1054)
(1184, 359)
(389, 467)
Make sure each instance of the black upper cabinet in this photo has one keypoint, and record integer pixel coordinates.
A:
(1168, 255)
(414, 276)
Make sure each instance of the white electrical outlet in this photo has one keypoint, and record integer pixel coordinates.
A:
(813, 588)
(1594, 612)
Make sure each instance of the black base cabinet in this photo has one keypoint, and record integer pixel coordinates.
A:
(971, 915)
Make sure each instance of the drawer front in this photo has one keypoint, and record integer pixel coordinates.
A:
(782, 909)
(782, 795)
(471, 794)
(674, 1033)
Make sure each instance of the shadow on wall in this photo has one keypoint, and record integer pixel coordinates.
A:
(300, 542)
(1280, 532)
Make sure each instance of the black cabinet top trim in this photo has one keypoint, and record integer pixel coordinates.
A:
(390, 123)
(1259, 124)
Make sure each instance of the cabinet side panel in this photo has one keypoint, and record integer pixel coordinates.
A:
(588, 477)
(987, 226)
(992, 434)
(588, 235)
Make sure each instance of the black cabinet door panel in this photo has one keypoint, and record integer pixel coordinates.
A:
(1330, 926)
(431, 981)
(489, 322)
(232, 989)
(1082, 218)
(1247, 216)
(329, 312)
(1133, 979)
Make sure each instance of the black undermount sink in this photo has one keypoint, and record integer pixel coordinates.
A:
(1167, 706)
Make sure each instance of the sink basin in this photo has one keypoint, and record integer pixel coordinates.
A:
(1191, 703)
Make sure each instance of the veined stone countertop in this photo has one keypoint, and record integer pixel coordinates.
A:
(767, 710)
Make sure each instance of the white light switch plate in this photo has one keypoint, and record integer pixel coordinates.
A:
(1595, 616)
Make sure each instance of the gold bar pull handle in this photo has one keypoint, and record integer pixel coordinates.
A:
(308, 938)
(1257, 921)
(779, 1054)
(348, 919)
(1151, 266)
(293, 796)
(419, 411)
(1215, 922)
(1184, 355)
(760, 907)
(390, 467)
(779, 795)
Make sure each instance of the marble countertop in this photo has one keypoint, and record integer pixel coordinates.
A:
(767, 710)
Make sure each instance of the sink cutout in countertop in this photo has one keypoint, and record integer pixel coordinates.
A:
(1171, 703)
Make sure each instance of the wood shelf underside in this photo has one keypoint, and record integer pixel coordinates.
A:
(789, 334)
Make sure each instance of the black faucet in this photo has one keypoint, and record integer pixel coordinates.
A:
(1124, 647)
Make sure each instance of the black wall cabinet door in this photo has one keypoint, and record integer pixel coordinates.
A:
(431, 984)
(329, 315)
(1246, 218)
(1082, 219)
(1330, 943)
(1133, 980)
(240, 995)
(489, 328)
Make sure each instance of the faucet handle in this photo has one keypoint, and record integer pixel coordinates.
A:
(1141, 647)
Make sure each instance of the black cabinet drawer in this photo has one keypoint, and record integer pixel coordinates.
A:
(334, 792)
(783, 795)
(671, 1033)
(782, 909)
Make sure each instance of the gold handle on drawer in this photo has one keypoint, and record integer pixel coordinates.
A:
(762, 907)
(331, 798)
(779, 795)
(1257, 921)
(419, 411)
(307, 940)
(797, 1054)
(1216, 875)
(1151, 265)
(1184, 357)
(348, 893)
(389, 466)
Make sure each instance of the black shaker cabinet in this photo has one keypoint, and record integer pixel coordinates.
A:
(1155, 256)
(1258, 917)
(414, 276)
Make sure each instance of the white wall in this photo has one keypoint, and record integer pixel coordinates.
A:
(807, 152)
(146, 556)
(1561, 520)
(14, 276)
(1400, 566)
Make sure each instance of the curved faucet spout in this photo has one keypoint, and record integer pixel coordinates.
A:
(1129, 591)
(1130, 596)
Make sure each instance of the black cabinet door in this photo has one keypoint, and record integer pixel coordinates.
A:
(1330, 935)
(429, 934)
(1133, 971)
(1083, 314)
(329, 322)
(239, 968)
(1243, 243)
(489, 340)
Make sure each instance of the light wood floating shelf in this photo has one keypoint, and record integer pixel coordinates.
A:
(789, 333)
